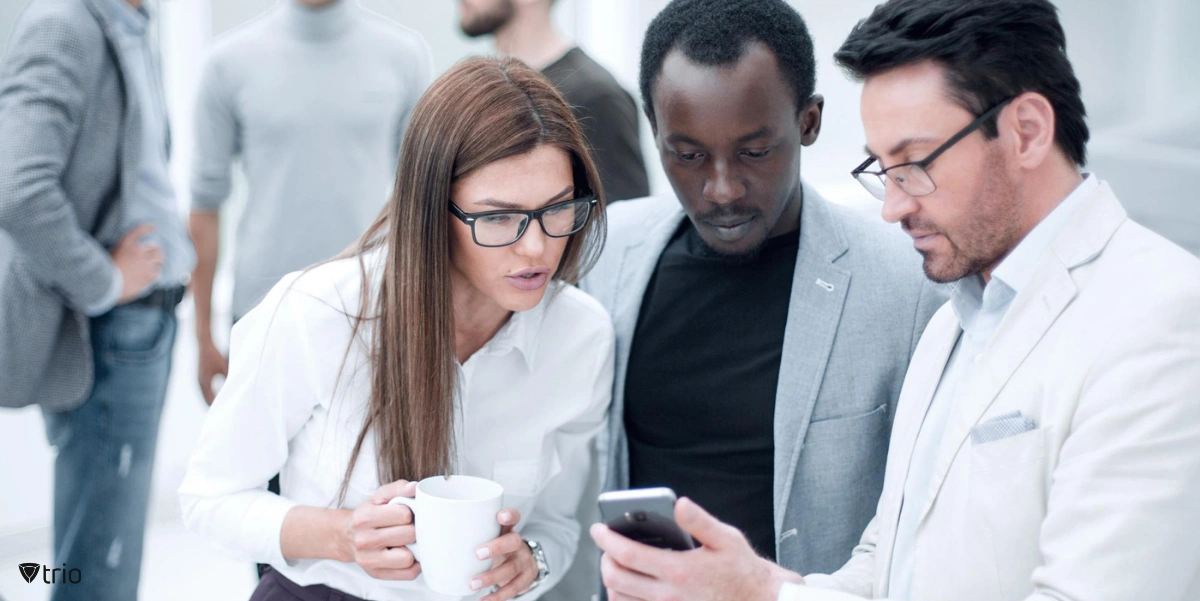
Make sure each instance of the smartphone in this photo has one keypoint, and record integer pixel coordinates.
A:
(646, 515)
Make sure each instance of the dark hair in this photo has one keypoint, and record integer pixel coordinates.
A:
(716, 32)
(991, 50)
(480, 111)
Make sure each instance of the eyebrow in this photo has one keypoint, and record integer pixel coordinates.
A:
(899, 147)
(500, 204)
(758, 133)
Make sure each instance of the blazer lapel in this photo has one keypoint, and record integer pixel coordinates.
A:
(131, 147)
(639, 258)
(1035, 309)
(814, 311)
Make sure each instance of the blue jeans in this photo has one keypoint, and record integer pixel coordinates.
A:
(106, 454)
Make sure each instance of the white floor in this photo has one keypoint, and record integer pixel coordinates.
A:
(177, 566)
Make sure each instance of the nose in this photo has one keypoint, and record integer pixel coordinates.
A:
(724, 184)
(533, 242)
(897, 204)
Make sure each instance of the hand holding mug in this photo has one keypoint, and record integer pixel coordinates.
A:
(454, 517)
(514, 568)
(377, 534)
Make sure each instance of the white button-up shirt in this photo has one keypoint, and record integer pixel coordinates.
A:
(530, 401)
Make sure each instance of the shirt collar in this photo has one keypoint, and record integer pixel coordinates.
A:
(1017, 268)
(970, 296)
(522, 331)
(132, 21)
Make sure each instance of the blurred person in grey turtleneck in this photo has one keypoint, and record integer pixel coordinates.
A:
(312, 99)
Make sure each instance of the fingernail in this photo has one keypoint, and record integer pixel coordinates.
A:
(505, 515)
(476, 584)
(483, 553)
(596, 529)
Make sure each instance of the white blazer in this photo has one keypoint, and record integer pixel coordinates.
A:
(1100, 500)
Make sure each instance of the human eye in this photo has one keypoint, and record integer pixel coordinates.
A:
(756, 154)
(560, 208)
(500, 219)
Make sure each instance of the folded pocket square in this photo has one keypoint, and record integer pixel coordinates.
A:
(1003, 426)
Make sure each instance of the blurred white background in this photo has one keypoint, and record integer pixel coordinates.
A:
(1137, 60)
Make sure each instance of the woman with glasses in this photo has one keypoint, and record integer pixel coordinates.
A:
(446, 340)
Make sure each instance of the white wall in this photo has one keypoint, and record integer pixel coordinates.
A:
(1136, 59)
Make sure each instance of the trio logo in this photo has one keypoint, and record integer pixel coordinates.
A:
(29, 571)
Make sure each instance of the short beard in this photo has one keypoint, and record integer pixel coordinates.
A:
(987, 235)
(742, 258)
(486, 23)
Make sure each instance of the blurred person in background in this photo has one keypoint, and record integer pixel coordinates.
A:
(101, 262)
(448, 340)
(524, 29)
(313, 98)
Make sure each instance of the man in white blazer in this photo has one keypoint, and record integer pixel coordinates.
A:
(1047, 438)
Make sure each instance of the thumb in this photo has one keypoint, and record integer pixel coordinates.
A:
(710, 531)
(399, 488)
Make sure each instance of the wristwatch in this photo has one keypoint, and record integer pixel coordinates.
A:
(539, 558)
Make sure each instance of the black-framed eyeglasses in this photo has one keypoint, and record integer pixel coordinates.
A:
(913, 177)
(501, 228)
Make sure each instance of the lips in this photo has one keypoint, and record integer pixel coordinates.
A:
(529, 279)
(923, 240)
(730, 230)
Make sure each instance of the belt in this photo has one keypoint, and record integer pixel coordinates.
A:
(164, 298)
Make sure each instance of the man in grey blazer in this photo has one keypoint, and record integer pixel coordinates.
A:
(93, 258)
(763, 333)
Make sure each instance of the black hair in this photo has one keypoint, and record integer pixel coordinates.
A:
(716, 32)
(991, 50)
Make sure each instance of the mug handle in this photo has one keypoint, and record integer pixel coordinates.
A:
(411, 504)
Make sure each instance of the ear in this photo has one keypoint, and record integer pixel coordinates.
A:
(1030, 122)
(810, 120)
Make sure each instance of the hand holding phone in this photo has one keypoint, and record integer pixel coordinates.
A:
(646, 515)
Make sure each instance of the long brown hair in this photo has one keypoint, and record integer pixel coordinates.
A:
(480, 111)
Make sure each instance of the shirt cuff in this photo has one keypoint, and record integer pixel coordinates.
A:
(110, 298)
(209, 201)
(796, 592)
(264, 518)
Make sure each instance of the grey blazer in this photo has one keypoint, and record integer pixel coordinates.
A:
(859, 304)
(69, 147)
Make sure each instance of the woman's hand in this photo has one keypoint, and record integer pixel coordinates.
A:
(513, 569)
(376, 535)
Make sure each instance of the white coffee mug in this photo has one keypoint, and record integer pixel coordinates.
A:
(454, 516)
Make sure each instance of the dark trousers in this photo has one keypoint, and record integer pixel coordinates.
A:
(275, 587)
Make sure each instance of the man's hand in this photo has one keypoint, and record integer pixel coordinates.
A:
(138, 263)
(724, 568)
(212, 364)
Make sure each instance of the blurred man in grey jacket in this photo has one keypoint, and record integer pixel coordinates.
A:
(95, 260)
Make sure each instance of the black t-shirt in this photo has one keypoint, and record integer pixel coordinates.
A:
(703, 369)
(609, 119)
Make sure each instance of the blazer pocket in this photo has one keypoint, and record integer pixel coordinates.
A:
(1026, 447)
(880, 410)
